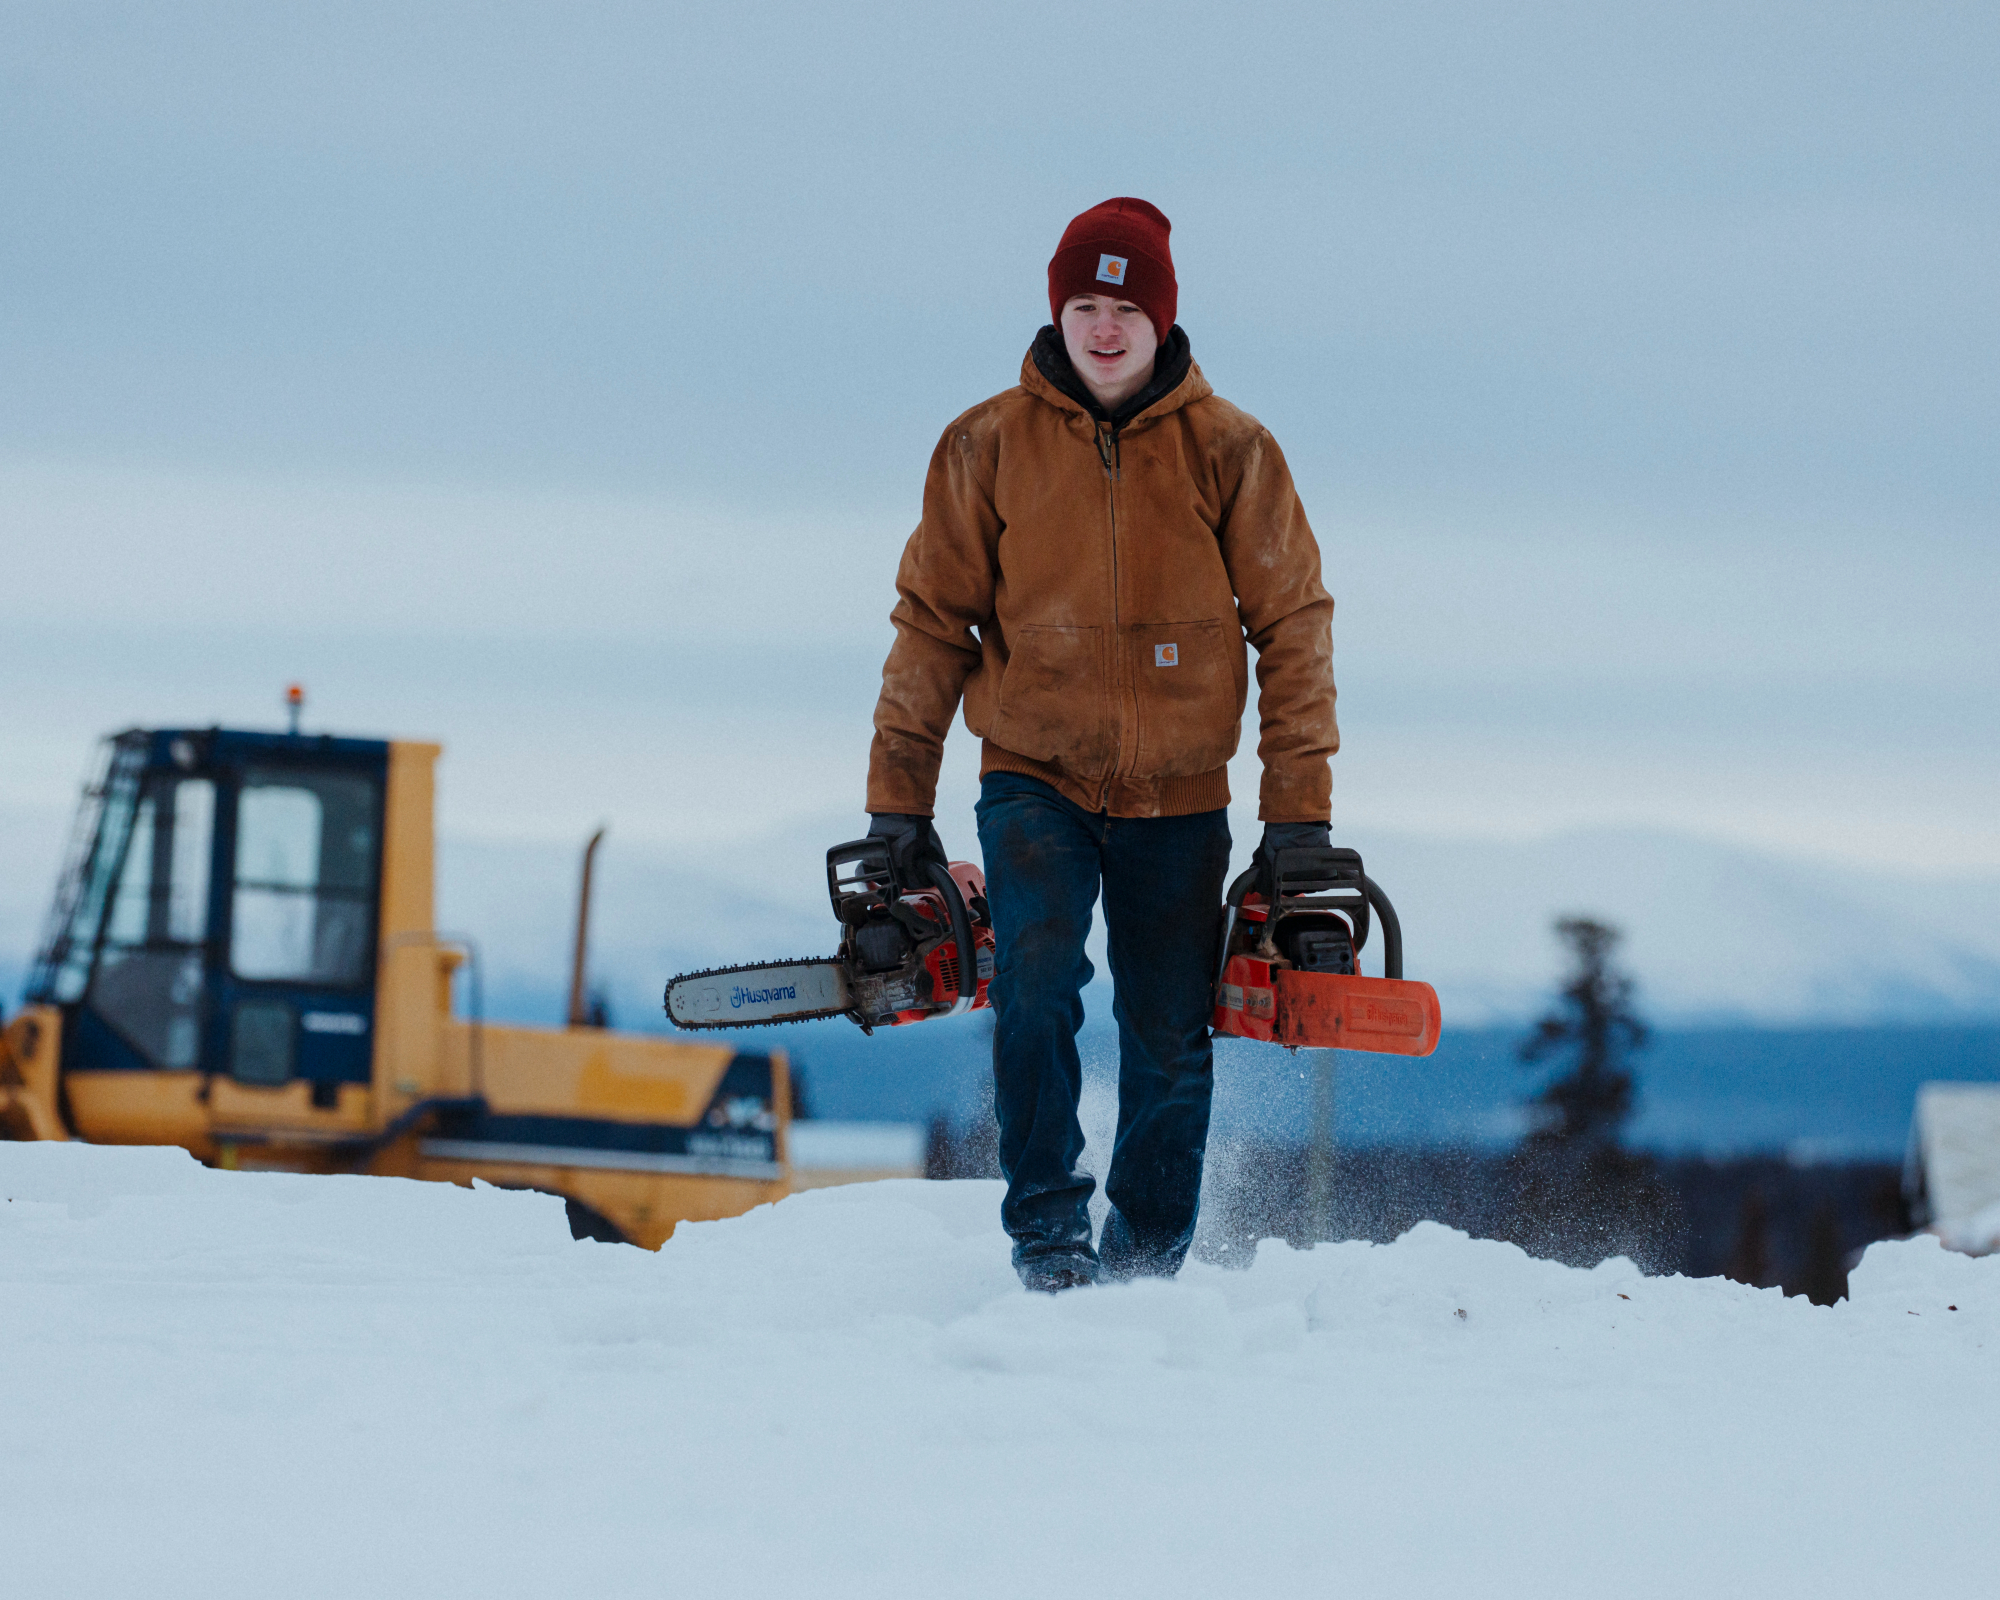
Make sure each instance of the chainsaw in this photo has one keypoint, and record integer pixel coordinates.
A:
(1290, 968)
(903, 954)
(1289, 971)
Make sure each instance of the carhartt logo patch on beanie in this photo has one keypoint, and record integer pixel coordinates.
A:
(1122, 242)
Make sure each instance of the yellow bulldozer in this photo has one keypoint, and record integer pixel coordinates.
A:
(243, 960)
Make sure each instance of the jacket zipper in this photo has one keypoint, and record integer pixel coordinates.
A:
(1110, 451)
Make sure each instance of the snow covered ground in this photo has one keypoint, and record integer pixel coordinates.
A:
(225, 1384)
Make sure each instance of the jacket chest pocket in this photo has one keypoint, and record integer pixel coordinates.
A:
(1189, 681)
(1055, 701)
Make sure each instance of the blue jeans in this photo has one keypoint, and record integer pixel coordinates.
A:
(1162, 880)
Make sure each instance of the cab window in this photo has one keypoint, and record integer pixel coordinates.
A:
(148, 981)
(162, 895)
(304, 882)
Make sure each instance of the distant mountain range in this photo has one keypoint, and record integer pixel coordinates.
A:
(1716, 934)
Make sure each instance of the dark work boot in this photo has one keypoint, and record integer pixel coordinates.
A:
(1057, 1271)
(1124, 1255)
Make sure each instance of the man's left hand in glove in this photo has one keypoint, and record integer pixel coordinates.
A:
(1286, 836)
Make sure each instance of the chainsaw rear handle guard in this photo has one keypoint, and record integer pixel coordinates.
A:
(871, 865)
(1322, 871)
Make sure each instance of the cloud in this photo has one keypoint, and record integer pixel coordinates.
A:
(764, 254)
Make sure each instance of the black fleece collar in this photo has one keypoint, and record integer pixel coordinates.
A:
(1169, 367)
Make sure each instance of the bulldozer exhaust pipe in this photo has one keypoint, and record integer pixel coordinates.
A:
(579, 999)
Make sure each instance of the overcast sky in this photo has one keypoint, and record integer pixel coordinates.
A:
(558, 381)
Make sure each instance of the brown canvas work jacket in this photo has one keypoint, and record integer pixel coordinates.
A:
(1087, 587)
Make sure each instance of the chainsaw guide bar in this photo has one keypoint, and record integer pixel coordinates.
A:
(762, 994)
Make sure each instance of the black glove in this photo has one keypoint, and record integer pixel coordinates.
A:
(1286, 836)
(914, 846)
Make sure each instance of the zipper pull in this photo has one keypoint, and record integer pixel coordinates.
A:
(1104, 445)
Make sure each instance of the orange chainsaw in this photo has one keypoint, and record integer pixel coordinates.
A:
(1290, 969)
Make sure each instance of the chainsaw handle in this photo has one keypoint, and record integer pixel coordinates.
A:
(861, 866)
(961, 930)
(1392, 927)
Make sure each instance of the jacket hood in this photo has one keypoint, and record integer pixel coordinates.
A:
(1047, 374)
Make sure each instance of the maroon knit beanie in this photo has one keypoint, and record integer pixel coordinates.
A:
(1119, 246)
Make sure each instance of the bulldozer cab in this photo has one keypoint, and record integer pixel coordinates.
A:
(219, 910)
(242, 959)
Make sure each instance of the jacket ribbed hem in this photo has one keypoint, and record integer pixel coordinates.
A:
(1121, 797)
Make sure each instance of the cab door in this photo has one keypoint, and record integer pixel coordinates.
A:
(138, 964)
(301, 859)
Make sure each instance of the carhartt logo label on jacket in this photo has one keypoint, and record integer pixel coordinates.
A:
(1166, 655)
(1111, 269)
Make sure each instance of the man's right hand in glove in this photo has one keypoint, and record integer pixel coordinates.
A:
(913, 843)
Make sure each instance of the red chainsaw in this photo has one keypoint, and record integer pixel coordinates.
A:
(901, 954)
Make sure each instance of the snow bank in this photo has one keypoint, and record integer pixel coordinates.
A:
(233, 1383)
(1976, 1235)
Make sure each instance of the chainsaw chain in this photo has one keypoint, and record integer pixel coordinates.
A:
(748, 966)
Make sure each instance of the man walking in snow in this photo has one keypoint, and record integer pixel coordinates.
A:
(1097, 546)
